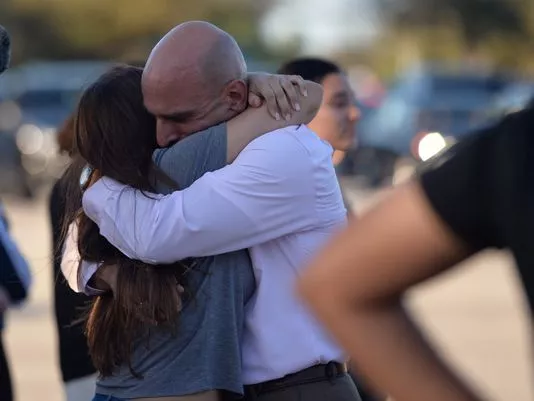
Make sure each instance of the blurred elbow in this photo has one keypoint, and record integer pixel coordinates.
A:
(160, 246)
(311, 288)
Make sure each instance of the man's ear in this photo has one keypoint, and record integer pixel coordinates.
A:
(236, 94)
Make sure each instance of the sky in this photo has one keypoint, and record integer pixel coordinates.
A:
(325, 26)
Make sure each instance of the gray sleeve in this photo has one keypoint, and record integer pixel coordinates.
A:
(192, 157)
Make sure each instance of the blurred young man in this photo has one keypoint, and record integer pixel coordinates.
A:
(15, 281)
(14, 271)
(336, 120)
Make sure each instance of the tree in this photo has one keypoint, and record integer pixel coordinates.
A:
(477, 19)
(118, 29)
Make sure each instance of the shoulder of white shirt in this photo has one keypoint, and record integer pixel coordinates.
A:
(288, 138)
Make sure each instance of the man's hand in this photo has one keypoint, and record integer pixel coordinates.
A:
(5, 300)
(280, 92)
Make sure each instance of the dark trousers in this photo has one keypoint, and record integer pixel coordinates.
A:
(363, 390)
(340, 388)
(6, 391)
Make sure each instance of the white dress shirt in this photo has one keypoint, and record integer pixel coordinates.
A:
(70, 264)
(281, 199)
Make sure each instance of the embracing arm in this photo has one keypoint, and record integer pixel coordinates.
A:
(268, 192)
(255, 122)
(211, 149)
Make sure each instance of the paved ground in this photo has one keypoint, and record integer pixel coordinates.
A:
(477, 315)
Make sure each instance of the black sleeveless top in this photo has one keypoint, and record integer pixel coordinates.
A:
(484, 190)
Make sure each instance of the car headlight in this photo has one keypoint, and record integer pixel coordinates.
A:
(30, 139)
(430, 145)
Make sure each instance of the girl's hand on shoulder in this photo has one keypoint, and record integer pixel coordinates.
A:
(281, 93)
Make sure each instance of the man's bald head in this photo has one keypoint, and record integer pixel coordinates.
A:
(195, 68)
(197, 47)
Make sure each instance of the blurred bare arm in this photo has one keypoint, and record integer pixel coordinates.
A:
(355, 287)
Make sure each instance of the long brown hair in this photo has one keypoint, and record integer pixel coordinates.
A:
(65, 136)
(115, 135)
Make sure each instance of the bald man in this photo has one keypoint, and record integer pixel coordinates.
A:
(194, 78)
(280, 199)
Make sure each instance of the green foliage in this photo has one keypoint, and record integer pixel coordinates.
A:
(500, 32)
(476, 19)
(126, 30)
(118, 29)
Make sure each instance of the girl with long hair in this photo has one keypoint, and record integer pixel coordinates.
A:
(172, 331)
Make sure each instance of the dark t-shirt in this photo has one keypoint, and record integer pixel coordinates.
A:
(484, 190)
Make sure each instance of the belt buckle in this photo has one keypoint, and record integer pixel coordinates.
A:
(334, 369)
(331, 370)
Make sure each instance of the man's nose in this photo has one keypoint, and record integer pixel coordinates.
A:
(163, 133)
(354, 113)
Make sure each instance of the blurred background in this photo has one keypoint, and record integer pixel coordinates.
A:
(425, 73)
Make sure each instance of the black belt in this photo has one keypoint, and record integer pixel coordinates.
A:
(313, 374)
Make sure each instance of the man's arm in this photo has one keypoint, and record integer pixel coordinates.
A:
(267, 193)
(209, 150)
(183, 162)
(71, 263)
(192, 157)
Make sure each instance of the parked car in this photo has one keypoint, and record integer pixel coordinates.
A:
(514, 97)
(38, 98)
(425, 111)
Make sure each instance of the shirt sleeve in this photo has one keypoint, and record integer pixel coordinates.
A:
(184, 162)
(267, 193)
(77, 273)
(192, 157)
(474, 187)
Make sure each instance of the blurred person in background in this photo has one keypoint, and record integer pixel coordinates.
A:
(15, 280)
(480, 196)
(15, 276)
(77, 370)
(280, 198)
(335, 122)
(338, 115)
